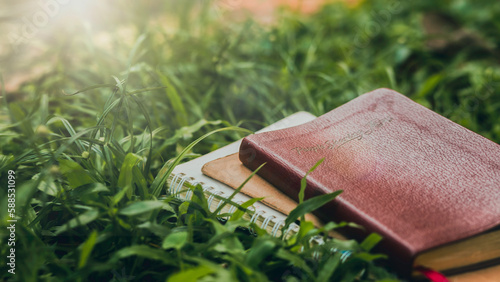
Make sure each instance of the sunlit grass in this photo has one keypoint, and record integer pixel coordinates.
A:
(104, 104)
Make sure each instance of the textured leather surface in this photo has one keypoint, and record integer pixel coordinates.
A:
(409, 174)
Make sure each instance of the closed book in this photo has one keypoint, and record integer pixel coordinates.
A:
(429, 186)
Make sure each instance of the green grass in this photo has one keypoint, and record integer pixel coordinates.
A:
(90, 167)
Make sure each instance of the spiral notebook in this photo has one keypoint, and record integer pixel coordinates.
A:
(186, 176)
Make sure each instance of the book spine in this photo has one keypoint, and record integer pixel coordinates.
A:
(279, 173)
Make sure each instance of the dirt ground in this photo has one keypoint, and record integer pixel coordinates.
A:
(264, 10)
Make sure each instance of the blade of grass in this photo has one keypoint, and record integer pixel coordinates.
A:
(86, 249)
(303, 181)
(309, 206)
(70, 130)
(175, 100)
(149, 124)
(97, 86)
(165, 171)
(131, 58)
(145, 90)
(125, 180)
(236, 191)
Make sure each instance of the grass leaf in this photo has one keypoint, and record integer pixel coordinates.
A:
(175, 100)
(97, 86)
(167, 168)
(175, 240)
(191, 275)
(143, 251)
(86, 249)
(75, 174)
(370, 241)
(259, 252)
(126, 175)
(303, 181)
(82, 219)
(136, 208)
(309, 206)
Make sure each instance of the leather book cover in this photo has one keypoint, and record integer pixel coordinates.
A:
(408, 173)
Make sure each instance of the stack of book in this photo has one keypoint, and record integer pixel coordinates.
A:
(429, 186)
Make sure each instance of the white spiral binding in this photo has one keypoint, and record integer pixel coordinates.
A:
(178, 182)
(254, 218)
(205, 187)
(266, 221)
(212, 196)
(276, 227)
(285, 232)
(319, 241)
(232, 209)
(344, 254)
(189, 193)
(178, 189)
(252, 209)
(218, 205)
(173, 183)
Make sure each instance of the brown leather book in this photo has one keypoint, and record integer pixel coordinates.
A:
(429, 186)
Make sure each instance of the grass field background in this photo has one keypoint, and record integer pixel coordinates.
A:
(99, 99)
